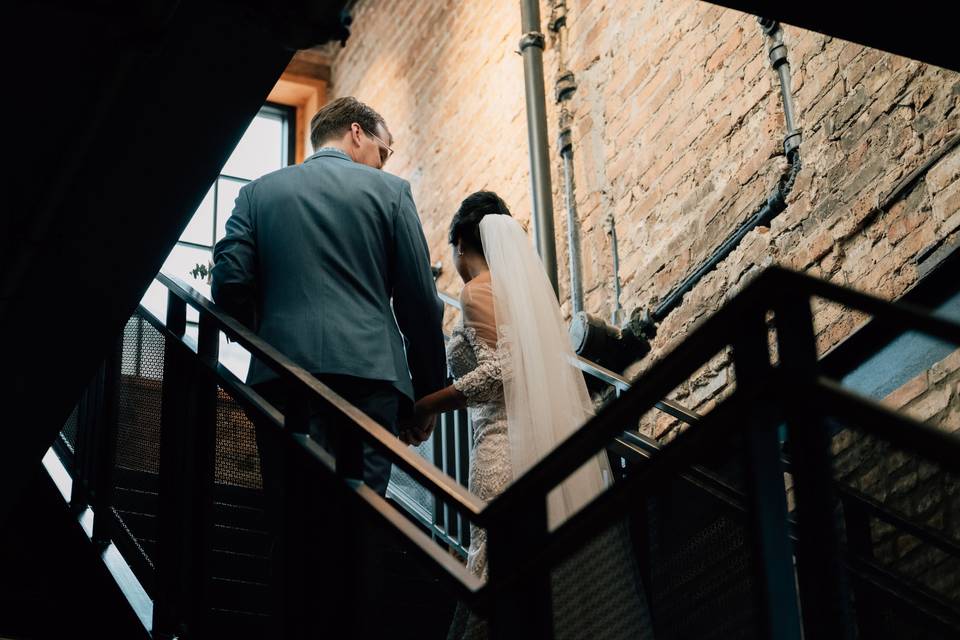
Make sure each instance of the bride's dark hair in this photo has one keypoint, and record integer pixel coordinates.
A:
(465, 225)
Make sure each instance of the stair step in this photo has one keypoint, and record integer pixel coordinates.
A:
(139, 500)
(135, 479)
(240, 566)
(141, 525)
(235, 515)
(240, 540)
(239, 595)
(240, 625)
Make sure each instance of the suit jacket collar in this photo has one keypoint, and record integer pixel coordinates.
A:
(330, 152)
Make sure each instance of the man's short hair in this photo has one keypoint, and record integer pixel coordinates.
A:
(334, 119)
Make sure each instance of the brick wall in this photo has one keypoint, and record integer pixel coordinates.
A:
(909, 485)
(677, 128)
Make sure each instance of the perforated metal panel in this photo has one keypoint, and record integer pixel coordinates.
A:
(237, 458)
(137, 461)
(912, 489)
(69, 432)
(139, 392)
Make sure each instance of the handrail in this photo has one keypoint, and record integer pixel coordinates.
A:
(771, 290)
(421, 470)
(881, 512)
(605, 375)
(707, 339)
(662, 377)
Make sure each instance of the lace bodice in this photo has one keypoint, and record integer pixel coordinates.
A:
(477, 368)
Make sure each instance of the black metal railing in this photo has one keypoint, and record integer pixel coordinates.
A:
(796, 546)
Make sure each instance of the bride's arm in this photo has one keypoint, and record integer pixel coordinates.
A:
(447, 399)
(484, 382)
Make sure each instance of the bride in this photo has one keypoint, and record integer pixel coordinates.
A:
(509, 357)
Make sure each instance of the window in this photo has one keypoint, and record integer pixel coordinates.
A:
(267, 145)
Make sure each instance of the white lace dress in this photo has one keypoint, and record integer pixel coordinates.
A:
(596, 593)
(477, 370)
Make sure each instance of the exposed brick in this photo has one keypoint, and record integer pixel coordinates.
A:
(677, 127)
(912, 389)
(931, 403)
(946, 367)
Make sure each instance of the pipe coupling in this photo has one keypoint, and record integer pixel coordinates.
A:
(565, 141)
(565, 87)
(791, 142)
(778, 54)
(532, 39)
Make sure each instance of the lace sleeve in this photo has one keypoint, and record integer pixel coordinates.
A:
(485, 382)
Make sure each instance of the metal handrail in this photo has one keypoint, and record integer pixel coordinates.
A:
(605, 375)
(420, 469)
(767, 291)
(772, 285)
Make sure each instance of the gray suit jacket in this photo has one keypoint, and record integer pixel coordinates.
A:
(312, 257)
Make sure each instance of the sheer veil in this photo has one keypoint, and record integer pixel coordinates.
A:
(546, 397)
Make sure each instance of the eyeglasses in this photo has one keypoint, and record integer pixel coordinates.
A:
(385, 150)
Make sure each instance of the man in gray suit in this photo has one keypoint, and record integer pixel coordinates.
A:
(313, 256)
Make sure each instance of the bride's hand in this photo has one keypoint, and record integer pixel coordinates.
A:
(421, 425)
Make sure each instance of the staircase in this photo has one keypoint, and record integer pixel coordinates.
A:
(692, 505)
(152, 114)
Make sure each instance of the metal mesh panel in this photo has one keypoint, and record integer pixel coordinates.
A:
(700, 564)
(909, 510)
(69, 432)
(598, 592)
(137, 463)
(139, 391)
(237, 457)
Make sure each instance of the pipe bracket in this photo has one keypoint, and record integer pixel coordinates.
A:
(565, 87)
(532, 39)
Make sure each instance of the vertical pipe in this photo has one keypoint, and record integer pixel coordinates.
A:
(616, 316)
(531, 48)
(573, 225)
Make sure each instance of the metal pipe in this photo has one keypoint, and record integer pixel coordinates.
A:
(777, 52)
(573, 224)
(616, 316)
(531, 48)
(773, 206)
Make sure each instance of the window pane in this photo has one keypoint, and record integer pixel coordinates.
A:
(234, 357)
(181, 262)
(200, 229)
(155, 300)
(191, 334)
(260, 149)
(226, 197)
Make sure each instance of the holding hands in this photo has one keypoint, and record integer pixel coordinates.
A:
(420, 426)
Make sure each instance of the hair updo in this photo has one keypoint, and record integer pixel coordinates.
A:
(465, 226)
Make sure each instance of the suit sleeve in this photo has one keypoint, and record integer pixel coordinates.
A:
(418, 309)
(234, 277)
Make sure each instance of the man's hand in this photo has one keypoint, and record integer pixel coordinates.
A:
(420, 427)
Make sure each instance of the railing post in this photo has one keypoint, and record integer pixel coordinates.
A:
(450, 468)
(860, 545)
(294, 506)
(201, 430)
(775, 582)
(106, 446)
(169, 606)
(85, 446)
(353, 554)
(824, 597)
(462, 425)
(439, 507)
(521, 607)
